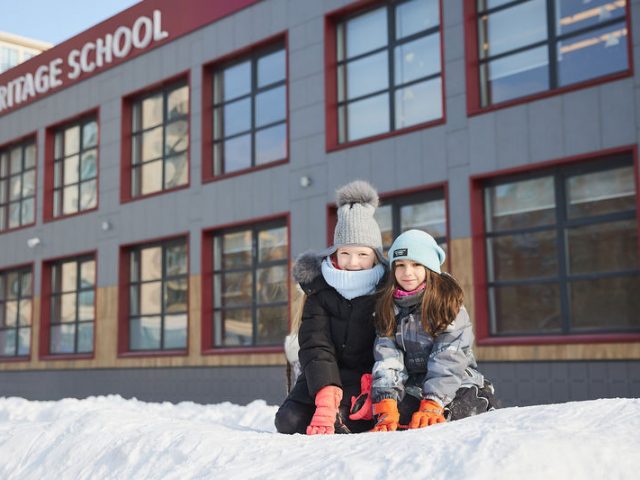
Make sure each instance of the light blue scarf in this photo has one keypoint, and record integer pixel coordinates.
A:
(352, 283)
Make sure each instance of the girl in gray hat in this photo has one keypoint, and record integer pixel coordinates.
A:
(425, 371)
(337, 333)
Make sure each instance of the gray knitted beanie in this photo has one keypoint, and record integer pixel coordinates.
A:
(357, 202)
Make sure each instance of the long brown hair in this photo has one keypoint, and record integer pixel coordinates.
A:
(441, 303)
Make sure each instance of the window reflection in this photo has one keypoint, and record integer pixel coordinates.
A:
(17, 185)
(15, 312)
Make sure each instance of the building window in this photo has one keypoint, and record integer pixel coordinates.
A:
(562, 250)
(72, 305)
(16, 297)
(538, 45)
(389, 69)
(250, 111)
(17, 185)
(160, 140)
(8, 58)
(251, 286)
(158, 296)
(75, 168)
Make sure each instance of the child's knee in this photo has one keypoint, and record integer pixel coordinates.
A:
(292, 418)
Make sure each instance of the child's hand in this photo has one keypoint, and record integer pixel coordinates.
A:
(429, 413)
(327, 404)
(387, 415)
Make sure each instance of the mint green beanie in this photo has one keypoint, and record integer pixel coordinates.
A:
(418, 246)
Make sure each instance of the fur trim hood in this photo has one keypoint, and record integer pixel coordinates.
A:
(307, 267)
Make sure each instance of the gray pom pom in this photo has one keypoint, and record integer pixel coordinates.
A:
(357, 191)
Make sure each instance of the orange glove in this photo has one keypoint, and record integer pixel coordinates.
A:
(429, 413)
(327, 403)
(387, 415)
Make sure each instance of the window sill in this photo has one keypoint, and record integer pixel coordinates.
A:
(224, 176)
(242, 350)
(20, 359)
(69, 215)
(15, 229)
(154, 353)
(66, 356)
(130, 199)
(558, 339)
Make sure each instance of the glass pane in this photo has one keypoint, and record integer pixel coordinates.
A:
(366, 32)
(272, 284)
(62, 338)
(4, 164)
(144, 333)
(29, 183)
(237, 153)
(88, 165)
(383, 216)
(89, 135)
(176, 259)
(272, 325)
(16, 160)
(487, 4)
(271, 144)
(26, 284)
(516, 75)
(86, 309)
(70, 200)
(177, 137)
(15, 187)
(13, 282)
(24, 341)
(417, 59)
(14, 215)
(7, 343)
(57, 174)
(175, 331)
(152, 144)
(368, 117)
(3, 191)
(416, 16)
(11, 316)
(525, 309)
(237, 250)
(178, 103)
(151, 263)
(513, 27)
(27, 211)
(522, 204)
(134, 300)
(67, 307)
(152, 111)
(29, 156)
(237, 117)
(428, 216)
(593, 54)
(367, 75)
(176, 171)
(529, 255)
(72, 140)
(236, 289)
(419, 103)
(85, 337)
(150, 298)
(24, 315)
(151, 177)
(176, 295)
(605, 303)
(237, 327)
(603, 247)
(88, 195)
(271, 106)
(69, 276)
(237, 80)
(600, 193)
(272, 244)
(574, 15)
(271, 68)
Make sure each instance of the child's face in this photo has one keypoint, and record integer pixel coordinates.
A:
(355, 258)
(409, 274)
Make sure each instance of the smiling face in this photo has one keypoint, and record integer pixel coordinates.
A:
(355, 258)
(409, 274)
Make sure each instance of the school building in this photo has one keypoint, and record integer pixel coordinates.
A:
(160, 172)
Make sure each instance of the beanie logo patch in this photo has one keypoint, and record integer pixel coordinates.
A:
(400, 252)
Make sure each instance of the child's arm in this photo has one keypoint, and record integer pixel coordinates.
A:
(389, 373)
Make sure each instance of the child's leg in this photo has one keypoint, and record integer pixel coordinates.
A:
(294, 417)
(407, 407)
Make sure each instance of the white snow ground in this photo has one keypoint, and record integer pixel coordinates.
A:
(114, 438)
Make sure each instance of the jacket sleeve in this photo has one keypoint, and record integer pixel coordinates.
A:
(317, 352)
(447, 363)
(389, 373)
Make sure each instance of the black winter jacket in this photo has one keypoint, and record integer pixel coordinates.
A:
(336, 335)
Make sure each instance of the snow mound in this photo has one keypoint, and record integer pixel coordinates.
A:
(113, 438)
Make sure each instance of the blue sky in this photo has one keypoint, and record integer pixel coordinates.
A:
(54, 21)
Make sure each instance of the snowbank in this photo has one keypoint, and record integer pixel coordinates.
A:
(110, 437)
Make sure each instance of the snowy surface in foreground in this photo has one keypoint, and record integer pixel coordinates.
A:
(109, 437)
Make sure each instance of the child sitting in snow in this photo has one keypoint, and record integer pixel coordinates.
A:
(425, 372)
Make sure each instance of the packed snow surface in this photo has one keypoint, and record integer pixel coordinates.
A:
(114, 438)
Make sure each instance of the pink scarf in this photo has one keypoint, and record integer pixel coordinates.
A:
(399, 293)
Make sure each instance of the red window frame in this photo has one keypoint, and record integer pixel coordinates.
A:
(207, 302)
(49, 159)
(331, 21)
(472, 72)
(208, 72)
(124, 278)
(481, 310)
(126, 137)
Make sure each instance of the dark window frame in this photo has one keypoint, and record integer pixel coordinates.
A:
(6, 203)
(5, 272)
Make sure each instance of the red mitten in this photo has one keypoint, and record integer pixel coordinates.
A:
(429, 413)
(327, 403)
(387, 415)
(361, 408)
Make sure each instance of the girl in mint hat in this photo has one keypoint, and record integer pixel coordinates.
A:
(424, 372)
